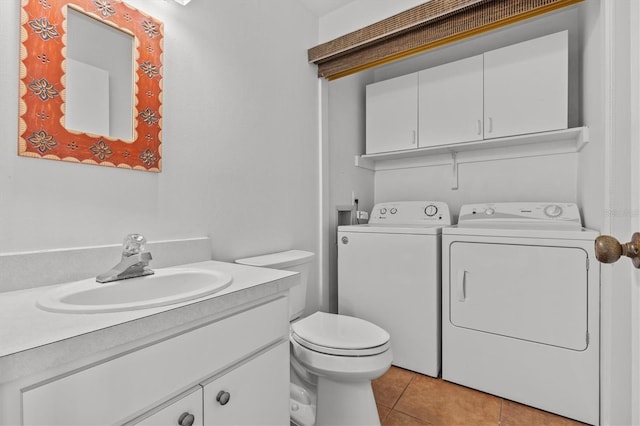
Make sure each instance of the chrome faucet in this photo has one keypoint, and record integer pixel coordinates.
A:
(134, 263)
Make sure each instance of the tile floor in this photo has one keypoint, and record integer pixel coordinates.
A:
(407, 398)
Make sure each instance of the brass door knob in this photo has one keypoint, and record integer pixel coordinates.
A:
(609, 250)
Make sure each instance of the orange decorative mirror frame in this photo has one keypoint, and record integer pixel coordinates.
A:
(44, 93)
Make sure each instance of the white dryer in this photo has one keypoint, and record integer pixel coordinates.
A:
(521, 306)
(389, 274)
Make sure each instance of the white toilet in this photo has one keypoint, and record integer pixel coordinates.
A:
(333, 357)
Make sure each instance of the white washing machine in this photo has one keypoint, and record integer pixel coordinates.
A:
(521, 306)
(389, 274)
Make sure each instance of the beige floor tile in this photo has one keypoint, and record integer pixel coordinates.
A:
(383, 412)
(388, 388)
(438, 402)
(514, 414)
(396, 418)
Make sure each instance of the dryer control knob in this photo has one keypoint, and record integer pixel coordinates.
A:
(489, 211)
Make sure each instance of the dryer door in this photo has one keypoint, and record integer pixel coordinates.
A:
(528, 292)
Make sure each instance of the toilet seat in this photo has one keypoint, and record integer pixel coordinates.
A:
(340, 335)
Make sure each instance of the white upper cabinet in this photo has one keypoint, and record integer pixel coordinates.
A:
(516, 90)
(450, 103)
(526, 87)
(392, 114)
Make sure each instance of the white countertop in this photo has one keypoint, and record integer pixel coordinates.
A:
(32, 339)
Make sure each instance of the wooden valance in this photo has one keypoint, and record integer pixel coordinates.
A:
(426, 26)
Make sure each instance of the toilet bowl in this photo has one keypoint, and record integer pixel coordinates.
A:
(334, 357)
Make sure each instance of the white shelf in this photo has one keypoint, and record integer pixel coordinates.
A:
(530, 145)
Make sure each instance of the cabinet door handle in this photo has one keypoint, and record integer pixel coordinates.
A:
(490, 125)
(479, 127)
(223, 397)
(413, 137)
(186, 419)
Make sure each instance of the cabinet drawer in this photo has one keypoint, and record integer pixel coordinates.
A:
(121, 387)
(177, 412)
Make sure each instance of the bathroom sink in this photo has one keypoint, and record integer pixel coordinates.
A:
(165, 287)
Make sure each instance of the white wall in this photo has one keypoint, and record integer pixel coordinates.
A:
(358, 14)
(345, 138)
(240, 153)
(545, 178)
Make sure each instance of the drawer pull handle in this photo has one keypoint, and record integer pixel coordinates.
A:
(186, 419)
(223, 397)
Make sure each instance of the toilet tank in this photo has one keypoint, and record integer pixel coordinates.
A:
(291, 260)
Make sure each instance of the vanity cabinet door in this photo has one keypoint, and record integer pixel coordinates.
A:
(186, 411)
(254, 393)
(392, 114)
(526, 87)
(450, 103)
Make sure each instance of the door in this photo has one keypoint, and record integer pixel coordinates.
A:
(392, 114)
(502, 289)
(634, 178)
(450, 105)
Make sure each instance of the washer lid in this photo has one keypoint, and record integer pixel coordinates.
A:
(340, 335)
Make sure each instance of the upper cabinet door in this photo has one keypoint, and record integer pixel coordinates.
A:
(450, 103)
(526, 87)
(392, 114)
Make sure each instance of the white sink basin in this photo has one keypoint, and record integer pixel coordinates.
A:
(165, 287)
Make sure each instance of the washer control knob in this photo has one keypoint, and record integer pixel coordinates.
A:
(383, 210)
(553, 210)
(393, 210)
(430, 210)
(489, 211)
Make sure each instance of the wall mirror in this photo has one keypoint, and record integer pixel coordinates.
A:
(91, 83)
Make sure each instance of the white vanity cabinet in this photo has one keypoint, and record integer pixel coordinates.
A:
(526, 87)
(515, 90)
(244, 351)
(392, 114)
(249, 393)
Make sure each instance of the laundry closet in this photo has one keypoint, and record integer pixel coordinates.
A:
(447, 125)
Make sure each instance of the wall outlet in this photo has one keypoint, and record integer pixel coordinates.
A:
(354, 197)
(362, 215)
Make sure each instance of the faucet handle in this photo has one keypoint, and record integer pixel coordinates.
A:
(133, 244)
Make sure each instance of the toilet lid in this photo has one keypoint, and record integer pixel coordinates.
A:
(340, 335)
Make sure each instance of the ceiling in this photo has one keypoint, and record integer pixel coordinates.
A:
(322, 7)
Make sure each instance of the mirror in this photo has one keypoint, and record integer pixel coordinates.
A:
(99, 77)
(91, 83)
